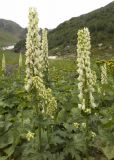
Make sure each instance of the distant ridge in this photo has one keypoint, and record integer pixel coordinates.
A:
(10, 32)
(62, 40)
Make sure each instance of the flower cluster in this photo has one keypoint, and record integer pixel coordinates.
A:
(50, 104)
(34, 65)
(45, 50)
(93, 134)
(33, 51)
(94, 80)
(76, 125)
(83, 125)
(104, 79)
(30, 136)
(86, 76)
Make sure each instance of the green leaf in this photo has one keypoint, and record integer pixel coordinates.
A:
(6, 139)
(9, 151)
(108, 151)
(3, 158)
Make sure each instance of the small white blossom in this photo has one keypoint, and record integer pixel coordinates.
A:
(76, 125)
(93, 134)
(104, 79)
(83, 125)
(30, 136)
(88, 110)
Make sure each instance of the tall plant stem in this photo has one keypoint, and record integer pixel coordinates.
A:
(40, 138)
(87, 134)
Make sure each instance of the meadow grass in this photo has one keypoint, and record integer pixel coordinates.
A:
(61, 63)
(10, 56)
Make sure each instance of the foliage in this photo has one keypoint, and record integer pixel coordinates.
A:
(20, 46)
(67, 141)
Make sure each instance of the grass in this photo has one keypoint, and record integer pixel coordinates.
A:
(11, 57)
(60, 64)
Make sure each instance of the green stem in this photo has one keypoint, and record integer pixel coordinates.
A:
(48, 136)
(87, 134)
(38, 110)
(87, 105)
(40, 138)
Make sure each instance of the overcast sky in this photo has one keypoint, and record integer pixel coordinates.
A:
(51, 12)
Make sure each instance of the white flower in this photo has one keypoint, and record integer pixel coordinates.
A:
(93, 134)
(34, 66)
(30, 136)
(27, 87)
(76, 125)
(80, 84)
(104, 79)
(33, 56)
(80, 71)
(86, 78)
(83, 125)
(88, 110)
(80, 96)
(80, 106)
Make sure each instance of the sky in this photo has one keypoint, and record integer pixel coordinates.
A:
(50, 12)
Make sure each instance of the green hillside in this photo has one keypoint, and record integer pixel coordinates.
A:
(10, 32)
(62, 40)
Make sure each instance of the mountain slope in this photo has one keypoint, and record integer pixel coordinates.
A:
(62, 40)
(10, 32)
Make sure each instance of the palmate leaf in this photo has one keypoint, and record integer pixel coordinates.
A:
(2, 105)
(6, 139)
(3, 158)
(6, 145)
(9, 151)
(4, 127)
(70, 150)
(109, 123)
(56, 140)
(108, 151)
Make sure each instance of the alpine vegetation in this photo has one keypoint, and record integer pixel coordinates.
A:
(49, 103)
(94, 76)
(47, 112)
(34, 65)
(104, 79)
(45, 53)
(33, 56)
(44, 103)
(3, 64)
(20, 61)
(85, 78)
